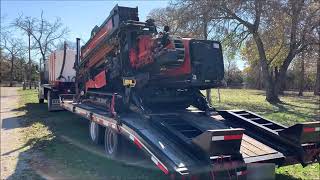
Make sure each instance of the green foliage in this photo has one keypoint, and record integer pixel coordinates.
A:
(233, 75)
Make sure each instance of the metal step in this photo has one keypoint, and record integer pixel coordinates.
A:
(254, 119)
(267, 124)
(251, 117)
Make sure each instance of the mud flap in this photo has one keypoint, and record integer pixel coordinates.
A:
(220, 142)
(305, 136)
(302, 133)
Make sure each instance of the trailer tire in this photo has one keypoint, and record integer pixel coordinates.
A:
(49, 101)
(41, 95)
(96, 132)
(41, 101)
(112, 143)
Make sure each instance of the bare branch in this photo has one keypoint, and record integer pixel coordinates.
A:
(44, 33)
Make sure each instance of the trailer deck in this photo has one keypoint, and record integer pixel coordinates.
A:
(167, 138)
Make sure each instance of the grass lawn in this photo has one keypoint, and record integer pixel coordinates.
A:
(293, 108)
(46, 128)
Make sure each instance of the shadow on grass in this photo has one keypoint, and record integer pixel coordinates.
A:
(287, 110)
(285, 93)
(302, 107)
(285, 177)
(49, 156)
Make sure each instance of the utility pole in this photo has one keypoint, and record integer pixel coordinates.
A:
(29, 62)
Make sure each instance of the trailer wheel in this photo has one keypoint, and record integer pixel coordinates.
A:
(49, 101)
(40, 95)
(96, 132)
(41, 101)
(112, 143)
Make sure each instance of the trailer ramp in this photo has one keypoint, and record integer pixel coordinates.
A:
(299, 143)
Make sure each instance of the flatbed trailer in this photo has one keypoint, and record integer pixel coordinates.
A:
(132, 82)
(168, 139)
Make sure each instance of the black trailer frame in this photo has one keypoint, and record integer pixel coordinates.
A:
(150, 142)
(172, 154)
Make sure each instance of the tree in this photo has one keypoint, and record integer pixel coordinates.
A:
(14, 50)
(300, 19)
(198, 21)
(252, 19)
(302, 74)
(230, 66)
(233, 75)
(168, 16)
(45, 34)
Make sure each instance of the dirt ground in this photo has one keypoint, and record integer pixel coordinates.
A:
(12, 144)
(19, 160)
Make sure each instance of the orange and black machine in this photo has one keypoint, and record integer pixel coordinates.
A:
(148, 83)
(130, 58)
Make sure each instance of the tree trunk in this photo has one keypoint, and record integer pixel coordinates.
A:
(259, 79)
(270, 86)
(11, 71)
(280, 81)
(282, 88)
(301, 77)
(317, 84)
(40, 63)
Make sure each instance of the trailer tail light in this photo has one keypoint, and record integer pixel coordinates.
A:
(302, 133)
(311, 129)
(227, 137)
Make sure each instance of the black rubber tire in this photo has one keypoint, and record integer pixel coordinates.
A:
(112, 143)
(41, 101)
(96, 132)
(49, 101)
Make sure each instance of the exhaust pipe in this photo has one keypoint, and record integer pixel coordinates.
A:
(76, 66)
(78, 52)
